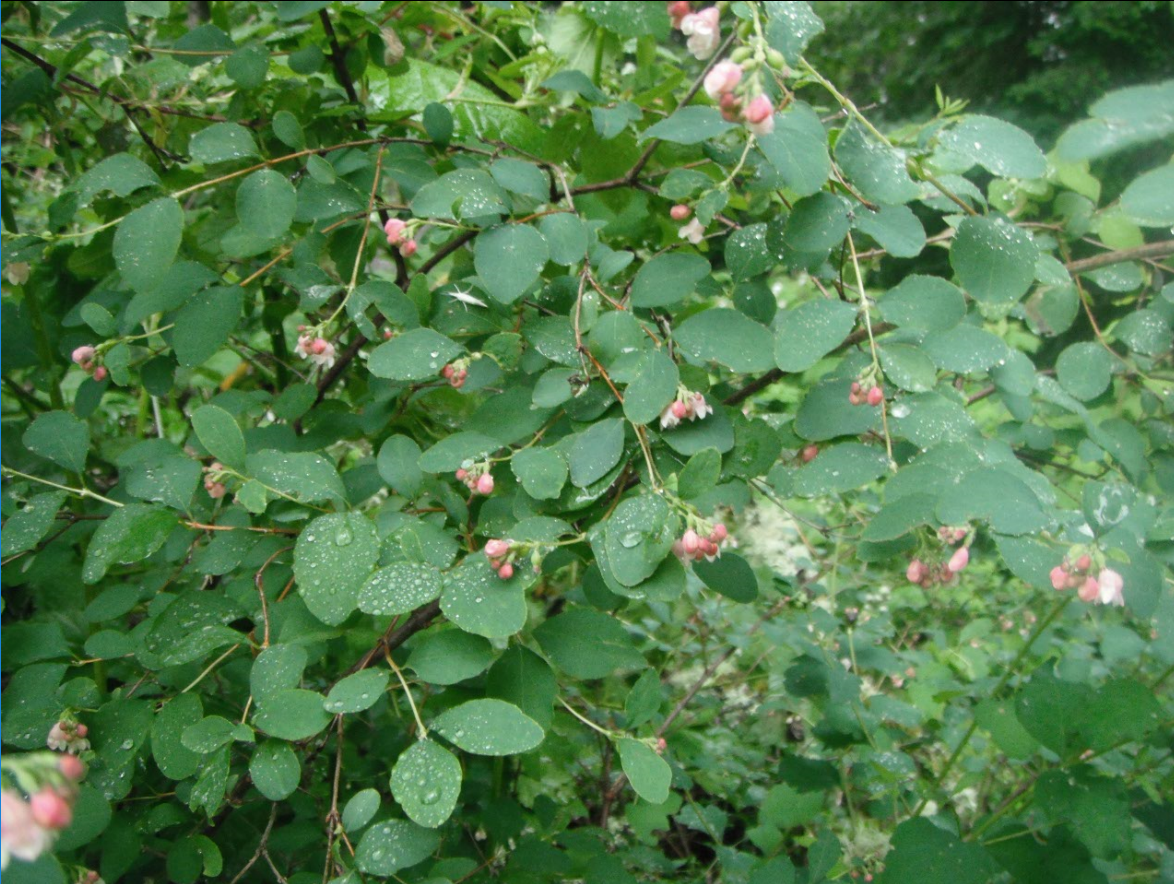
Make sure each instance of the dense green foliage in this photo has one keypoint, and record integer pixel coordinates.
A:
(504, 441)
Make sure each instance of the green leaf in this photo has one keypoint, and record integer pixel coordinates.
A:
(542, 472)
(877, 170)
(628, 19)
(518, 176)
(387, 847)
(24, 529)
(909, 367)
(477, 600)
(400, 588)
(523, 678)
(747, 254)
(277, 668)
(357, 692)
(840, 468)
(426, 781)
(999, 147)
(817, 223)
(416, 355)
(727, 337)
(1095, 808)
(360, 810)
(399, 465)
(700, 475)
(575, 81)
(595, 451)
(288, 130)
(473, 193)
(508, 260)
(1125, 117)
(489, 727)
(649, 774)
(294, 714)
(1149, 199)
(333, 557)
(689, 125)
(565, 236)
(965, 349)
(922, 853)
(109, 17)
(175, 760)
(221, 143)
(791, 26)
(60, 437)
(994, 259)
(204, 323)
(587, 644)
(248, 66)
(667, 279)
(730, 575)
(265, 204)
(121, 174)
(895, 228)
(825, 413)
(652, 388)
(306, 477)
(798, 149)
(208, 734)
(449, 453)
(219, 433)
(147, 242)
(438, 123)
(1084, 370)
(994, 495)
(275, 770)
(130, 534)
(924, 303)
(806, 333)
(1145, 331)
(638, 536)
(450, 656)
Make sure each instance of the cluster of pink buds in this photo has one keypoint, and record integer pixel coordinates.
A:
(477, 478)
(396, 231)
(86, 359)
(701, 28)
(455, 374)
(68, 735)
(695, 546)
(212, 483)
(873, 396)
(756, 111)
(498, 553)
(927, 575)
(317, 349)
(951, 535)
(1106, 588)
(687, 406)
(29, 827)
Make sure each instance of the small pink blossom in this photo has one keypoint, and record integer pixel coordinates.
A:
(959, 560)
(680, 212)
(409, 248)
(68, 736)
(809, 453)
(84, 356)
(495, 549)
(506, 571)
(318, 350)
(703, 32)
(759, 115)
(71, 767)
(1090, 590)
(722, 78)
(1059, 578)
(485, 484)
(1111, 588)
(50, 809)
(100, 373)
(875, 396)
(216, 490)
(916, 572)
(699, 408)
(677, 10)
(20, 836)
(694, 231)
(394, 229)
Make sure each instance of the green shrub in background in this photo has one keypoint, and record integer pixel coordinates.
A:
(504, 441)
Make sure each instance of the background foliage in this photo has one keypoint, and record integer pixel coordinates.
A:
(238, 550)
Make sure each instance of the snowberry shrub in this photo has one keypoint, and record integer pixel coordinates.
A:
(501, 441)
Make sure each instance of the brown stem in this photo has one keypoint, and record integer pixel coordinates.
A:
(1149, 250)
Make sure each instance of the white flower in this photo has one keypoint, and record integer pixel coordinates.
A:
(703, 32)
(20, 836)
(1111, 586)
(701, 408)
(764, 128)
(668, 420)
(694, 231)
(318, 350)
(724, 76)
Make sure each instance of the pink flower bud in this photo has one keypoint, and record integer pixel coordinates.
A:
(680, 212)
(876, 396)
(680, 409)
(855, 398)
(759, 109)
(1059, 578)
(506, 571)
(916, 571)
(485, 484)
(720, 533)
(83, 356)
(809, 453)
(959, 560)
(1090, 590)
(661, 745)
(387, 334)
(678, 549)
(496, 548)
(448, 371)
(71, 767)
(81, 730)
(1083, 563)
(462, 473)
(100, 373)
(216, 490)
(677, 10)
(394, 229)
(319, 346)
(50, 810)
(408, 249)
(856, 388)
(722, 79)
(691, 541)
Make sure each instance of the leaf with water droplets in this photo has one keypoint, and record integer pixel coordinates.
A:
(877, 170)
(804, 334)
(798, 149)
(130, 534)
(508, 259)
(277, 668)
(649, 774)
(639, 535)
(999, 147)
(221, 143)
(357, 692)
(595, 451)
(477, 600)
(294, 714)
(489, 727)
(523, 678)
(360, 810)
(924, 303)
(275, 769)
(450, 656)
(59, 437)
(426, 781)
(588, 644)
(727, 337)
(24, 529)
(1084, 370)
(668, 278)
(399, 465)
(399, 588)
(387, 847)
(652, 388)
(147, 241)
(1149, 199)
(542, 472)
(333, 557)
(840, 468)
(994, 259)
(416, 355)
(305, 476)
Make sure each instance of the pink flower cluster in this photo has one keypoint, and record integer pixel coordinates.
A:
(396, 231)
(873, 396)
(212, 483)
(701, 28)
(477, 481)
(318, 350)
(455, 375)
(1106, 588)
(85, 358)
(687, 406)
(29, 828)
(498, 553)
(927, 575)
(694, 546)
(68, 736)
(720, 85)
